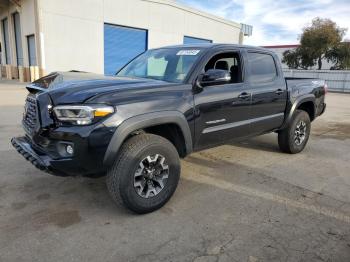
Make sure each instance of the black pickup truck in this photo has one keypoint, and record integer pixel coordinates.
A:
(163, 105)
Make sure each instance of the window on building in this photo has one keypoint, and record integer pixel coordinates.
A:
(31, 50)
(262, 67)
(5, 30)
(195, 40)
(18, 39)
(230, 62)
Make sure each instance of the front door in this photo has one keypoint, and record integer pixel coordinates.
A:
(222, 111)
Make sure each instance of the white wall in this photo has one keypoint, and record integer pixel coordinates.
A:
(26, 11)
(73, 30)
(72, 35)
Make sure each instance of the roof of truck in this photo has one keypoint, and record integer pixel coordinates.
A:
(216, 45)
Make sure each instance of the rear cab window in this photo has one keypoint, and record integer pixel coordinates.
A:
(262, 67)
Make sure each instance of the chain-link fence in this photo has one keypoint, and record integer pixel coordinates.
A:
(336, 80)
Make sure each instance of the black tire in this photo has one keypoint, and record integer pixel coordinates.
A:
(121, 176)
(287, 140)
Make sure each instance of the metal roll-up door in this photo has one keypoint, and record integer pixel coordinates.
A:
(195, 40)
(5, 31)
(31, 50)
(121, 44)
(18, 39)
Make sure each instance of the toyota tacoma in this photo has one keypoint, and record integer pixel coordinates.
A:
(160, 107)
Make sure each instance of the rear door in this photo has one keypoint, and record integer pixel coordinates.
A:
(268, 89)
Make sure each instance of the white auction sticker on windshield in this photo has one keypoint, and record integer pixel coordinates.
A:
(188, 52)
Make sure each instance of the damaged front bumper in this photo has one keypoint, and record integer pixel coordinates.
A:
(23, 147)
(41, 161)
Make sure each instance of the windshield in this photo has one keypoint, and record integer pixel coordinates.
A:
(167, 64)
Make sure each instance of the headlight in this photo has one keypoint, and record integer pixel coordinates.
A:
(81, 115)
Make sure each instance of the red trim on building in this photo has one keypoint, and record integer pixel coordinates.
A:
(281, 46)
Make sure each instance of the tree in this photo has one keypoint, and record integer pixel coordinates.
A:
(298, 58)
(340, 56)
(291, 58)
(322, 36)
(319, 40)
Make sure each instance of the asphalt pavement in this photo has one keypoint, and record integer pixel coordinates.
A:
(242, 201)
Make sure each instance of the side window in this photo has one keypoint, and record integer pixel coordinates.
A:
(262, 67)
(227, 61)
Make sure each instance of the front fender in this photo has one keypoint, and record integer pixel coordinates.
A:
(143, 121)
(293, 107)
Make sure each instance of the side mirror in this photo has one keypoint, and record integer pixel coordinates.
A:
(214, 77)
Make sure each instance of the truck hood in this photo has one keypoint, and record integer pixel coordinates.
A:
(77, 87)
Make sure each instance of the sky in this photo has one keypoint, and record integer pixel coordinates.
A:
(276, 22)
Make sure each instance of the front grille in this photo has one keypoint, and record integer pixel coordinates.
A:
(30, 116)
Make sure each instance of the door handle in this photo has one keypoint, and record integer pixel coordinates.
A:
(244, 95)
(279, 91)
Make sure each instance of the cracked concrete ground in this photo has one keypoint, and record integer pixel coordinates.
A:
(238, 202)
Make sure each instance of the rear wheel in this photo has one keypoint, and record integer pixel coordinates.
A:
(145, 173)
(293, 139)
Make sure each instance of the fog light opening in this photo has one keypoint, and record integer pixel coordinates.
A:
(69, 149)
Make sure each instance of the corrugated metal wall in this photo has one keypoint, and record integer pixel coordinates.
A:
(121, 44)
(336, 80)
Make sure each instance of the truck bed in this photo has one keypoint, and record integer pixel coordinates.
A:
(300, 83)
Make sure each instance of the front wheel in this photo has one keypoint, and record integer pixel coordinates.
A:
(145, 173)
(293, 139)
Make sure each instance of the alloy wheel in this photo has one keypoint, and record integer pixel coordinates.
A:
(300, 133)
(151, 176)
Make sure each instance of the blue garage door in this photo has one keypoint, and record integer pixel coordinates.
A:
(195, 40)
(121, 44)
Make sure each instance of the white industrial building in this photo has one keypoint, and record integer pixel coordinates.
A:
(41, 36)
